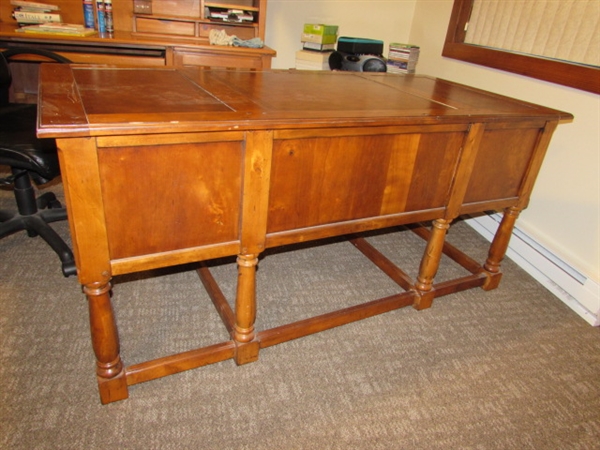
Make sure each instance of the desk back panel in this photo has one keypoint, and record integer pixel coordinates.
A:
(242, 161)
(318, 181)
(152, 193)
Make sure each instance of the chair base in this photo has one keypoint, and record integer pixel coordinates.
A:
(36, 223)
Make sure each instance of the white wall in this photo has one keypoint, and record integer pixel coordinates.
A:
(389, 21)
(564, 211)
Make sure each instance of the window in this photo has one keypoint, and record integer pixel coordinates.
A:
(479, 44)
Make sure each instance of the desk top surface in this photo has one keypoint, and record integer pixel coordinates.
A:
(94, 101)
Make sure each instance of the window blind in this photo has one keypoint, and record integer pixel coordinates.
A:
(565, 30)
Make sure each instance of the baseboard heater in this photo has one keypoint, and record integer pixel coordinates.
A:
(576, 290)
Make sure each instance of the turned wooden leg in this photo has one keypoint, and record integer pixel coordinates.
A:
(430, 264)
(105, 341)
(245, 310)
(498, 248)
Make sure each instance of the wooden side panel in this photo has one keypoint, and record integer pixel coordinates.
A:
(502, 163)
(318, 181)
(80, 174)
(170, 197)
(437, 161)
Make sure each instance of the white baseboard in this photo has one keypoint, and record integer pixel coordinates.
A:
(580, 293)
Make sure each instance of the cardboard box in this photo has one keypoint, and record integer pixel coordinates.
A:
(319, 38)
(320, 29)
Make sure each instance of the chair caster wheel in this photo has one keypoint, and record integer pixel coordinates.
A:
(69, 269)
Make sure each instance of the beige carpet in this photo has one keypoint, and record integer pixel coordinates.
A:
(512, 368)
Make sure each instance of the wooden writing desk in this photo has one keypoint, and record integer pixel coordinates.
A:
(237, 162)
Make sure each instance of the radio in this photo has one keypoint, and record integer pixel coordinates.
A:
(358, 55)
(356, 63)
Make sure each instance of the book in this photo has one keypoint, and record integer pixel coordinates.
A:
(231, 15)
(100, 24)
(33, 6)
(27, 17)
(400, 46)
(319, 38)
(313, 46)
(402, 55)
(311, 60)
(400, 66)
(403, 51)
(88, 14)
(108, 17)
(320, 29)
(402, 58)
(307, 65)
(65, 29)
(308, 55)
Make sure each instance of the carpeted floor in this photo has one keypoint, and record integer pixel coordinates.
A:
(512, 368)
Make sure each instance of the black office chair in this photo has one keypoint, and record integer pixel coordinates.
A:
(29, 158)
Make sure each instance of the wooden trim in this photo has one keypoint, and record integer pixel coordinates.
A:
(180, 362)
(578, 76)
(184, 256)
(86, 219)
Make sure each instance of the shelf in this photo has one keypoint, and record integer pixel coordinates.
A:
(179, 26)
(190, 19)
(226, 5)
(176, 18)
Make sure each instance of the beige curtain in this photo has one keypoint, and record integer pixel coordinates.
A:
(560, 29)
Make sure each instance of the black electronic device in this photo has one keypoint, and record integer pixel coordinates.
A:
(356, 63)
(359, 46)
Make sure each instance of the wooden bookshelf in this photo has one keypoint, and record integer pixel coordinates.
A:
(191, 18)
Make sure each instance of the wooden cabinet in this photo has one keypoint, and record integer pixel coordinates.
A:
(170, 32)
(235, 58)
(195, 19)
